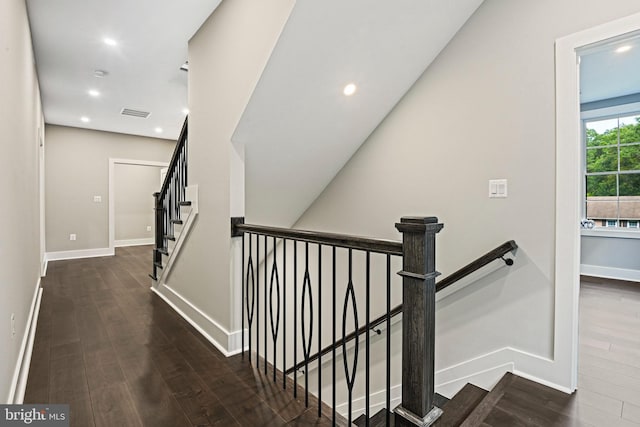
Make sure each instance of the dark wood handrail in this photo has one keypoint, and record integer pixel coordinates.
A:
(174, 158)
(382, 246)
(480, 262)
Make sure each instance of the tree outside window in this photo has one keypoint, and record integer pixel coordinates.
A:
(612, 170)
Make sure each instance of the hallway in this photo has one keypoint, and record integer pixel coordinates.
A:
(114, 351)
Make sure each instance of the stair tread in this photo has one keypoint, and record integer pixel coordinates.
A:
(170, 237)
(456, 410)
(158, 264)
(488, 402)
(176, 221)
(185, 203)
(163, 251)
(379, 419)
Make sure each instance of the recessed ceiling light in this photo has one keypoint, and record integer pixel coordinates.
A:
(85, 119)
(349, 89)
(624, 48)
(100, 73)
(109, 41)
(93, 93)
(185, 66)
(185, 111)
(158, 130)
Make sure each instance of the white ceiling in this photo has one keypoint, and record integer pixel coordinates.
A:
(143, 68)
(298, 128)
(605, 73)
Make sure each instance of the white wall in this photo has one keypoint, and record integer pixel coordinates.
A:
(483, 110)
(133, 204)
(612, 257)
(226, 57)
(21, 120)
(77, 169)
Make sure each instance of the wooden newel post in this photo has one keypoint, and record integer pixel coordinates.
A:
(418, 321)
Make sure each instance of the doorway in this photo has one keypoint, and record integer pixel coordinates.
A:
(569, 167)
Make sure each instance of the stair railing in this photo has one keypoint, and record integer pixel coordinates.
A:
(168, 200)
(495, 254)
(417, 251)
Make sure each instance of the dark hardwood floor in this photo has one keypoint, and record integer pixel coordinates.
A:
(114, 351)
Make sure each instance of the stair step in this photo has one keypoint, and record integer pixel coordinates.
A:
(176, 221)
(379, 419)
(158, 264)
(169, 237)
(456, 410)
(488, 402)
(153, 277)
(185, 203)
(163, 251)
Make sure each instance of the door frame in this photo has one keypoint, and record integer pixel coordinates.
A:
(569, 188)
(112, 168)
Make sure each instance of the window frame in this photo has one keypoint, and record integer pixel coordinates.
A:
(613, 112)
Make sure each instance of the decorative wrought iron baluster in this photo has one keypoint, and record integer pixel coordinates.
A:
(350, 377)
(306, 342)
(274, 325)
(251, 293)
(242, 298)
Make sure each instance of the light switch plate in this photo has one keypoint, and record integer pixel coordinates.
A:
(97, 199)
(497, 188)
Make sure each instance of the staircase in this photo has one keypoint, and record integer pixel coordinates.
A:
(176, 206)
(514, 401)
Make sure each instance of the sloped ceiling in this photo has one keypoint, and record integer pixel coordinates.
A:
(299, 129)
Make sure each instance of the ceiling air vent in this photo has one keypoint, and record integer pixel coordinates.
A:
(135, 113)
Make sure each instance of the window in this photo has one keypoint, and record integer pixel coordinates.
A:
(612, 169)
(633, 224)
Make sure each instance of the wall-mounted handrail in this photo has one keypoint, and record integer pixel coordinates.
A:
(494, 254)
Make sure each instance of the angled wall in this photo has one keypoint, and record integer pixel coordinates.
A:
(21, 127)
(226, 58)
(483, 110)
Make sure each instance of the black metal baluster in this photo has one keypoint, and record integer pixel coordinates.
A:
(350, 377)
(242, 298)
(264, 262)
(258, 300)
(250, 307)
(368, 337)
(388, 415)
(333, 351)
(276, 326)
(284, 313)
(306, 343)
(295, 316)
(319, 330)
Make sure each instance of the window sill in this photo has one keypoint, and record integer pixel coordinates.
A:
(618, 234)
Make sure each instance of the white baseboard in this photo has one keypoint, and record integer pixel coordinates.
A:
(229, 343)
(21, 372)
(82, 253)
(133, 242)
(483, 371)
(610, 272)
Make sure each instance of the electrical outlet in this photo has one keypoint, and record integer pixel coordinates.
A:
(13, 325)
(148, 228)
(72, 237)
(97, 199)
